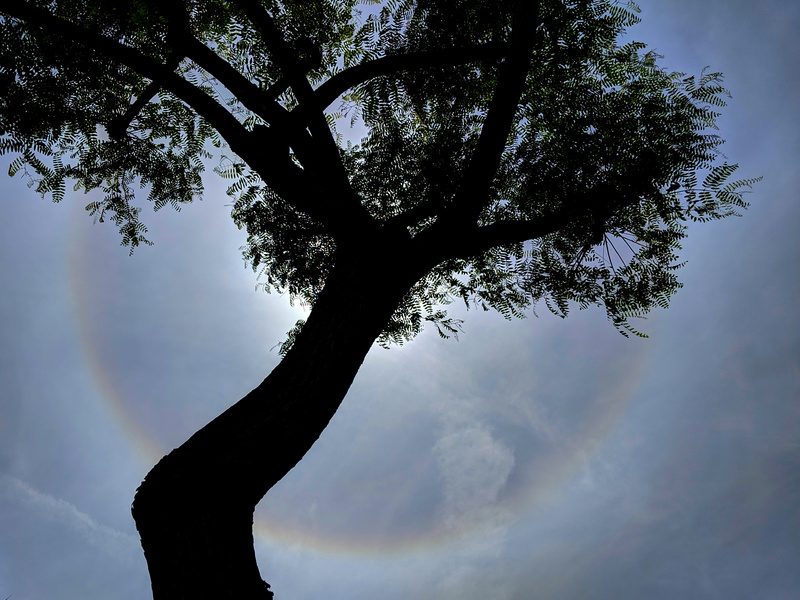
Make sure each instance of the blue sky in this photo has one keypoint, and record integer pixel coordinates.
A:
(541, 458)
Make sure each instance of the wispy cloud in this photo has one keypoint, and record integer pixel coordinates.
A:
(121, 546)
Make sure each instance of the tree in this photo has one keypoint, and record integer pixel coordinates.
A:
(514, 153)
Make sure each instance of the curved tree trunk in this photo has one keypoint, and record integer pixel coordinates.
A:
(194, 510)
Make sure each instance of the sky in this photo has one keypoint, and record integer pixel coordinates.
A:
(538, 458)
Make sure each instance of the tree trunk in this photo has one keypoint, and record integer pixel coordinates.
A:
(194, 510)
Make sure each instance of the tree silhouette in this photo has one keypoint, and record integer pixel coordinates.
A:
(514, 153)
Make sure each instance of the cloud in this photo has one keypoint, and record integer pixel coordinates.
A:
(475, 467)
(122, 547)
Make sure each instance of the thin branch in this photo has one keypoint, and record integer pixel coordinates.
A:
(608, 254)
(624, 239)
(615, 250)
(637, 242)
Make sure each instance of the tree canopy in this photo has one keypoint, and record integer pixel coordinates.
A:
(513, 152)
(519, 150)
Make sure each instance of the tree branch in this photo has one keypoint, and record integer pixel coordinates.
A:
(277, 171)
(414, 215)
(432, 247)
(185, 44)
(283, 133)
(509, 232)
(284, 130)
(276, 89)
(473, 192)
(117, 126)
(325, 94)
(202, 103)
(599, 204)
(277, 45)
(249, 94)
(320, 153)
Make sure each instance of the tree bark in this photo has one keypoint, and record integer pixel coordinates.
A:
(194, 510)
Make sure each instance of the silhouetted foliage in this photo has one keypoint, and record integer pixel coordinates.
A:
(600, 133)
